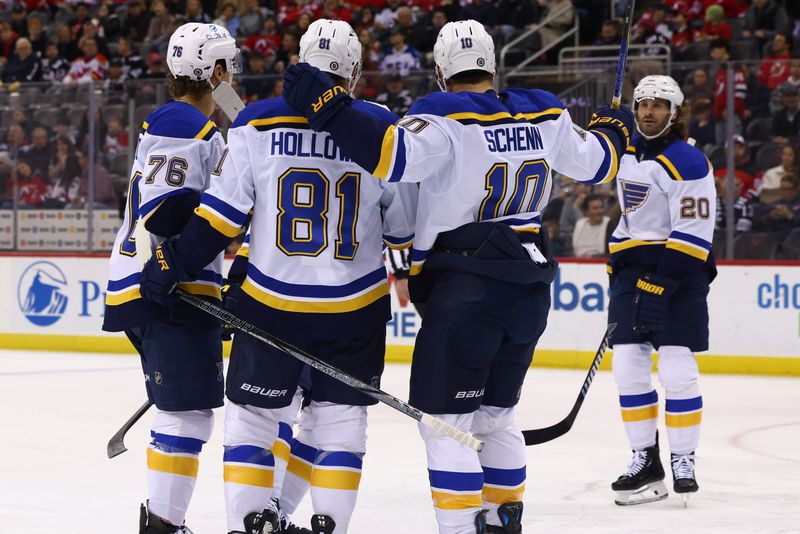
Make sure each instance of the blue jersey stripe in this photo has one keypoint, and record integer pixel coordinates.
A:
(419, 255)
(689, 238)
(316, 291)
(178, 443)
(399, 157)
(601, 174)
(117, 285)
(209, 276)
(504, 477)
(634, 401)
(284, 432)
(340, 459)
(303, 451)
(249, 454)
(684, 405)
(450, 480)
(224, 209)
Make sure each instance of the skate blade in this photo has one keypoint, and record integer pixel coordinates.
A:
(655, 491)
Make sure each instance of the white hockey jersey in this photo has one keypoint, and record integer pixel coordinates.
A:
(176, 151)
(319, 221)
(668, 201)
(488, 157)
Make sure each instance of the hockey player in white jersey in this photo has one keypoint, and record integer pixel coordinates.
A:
(315, 277)
(660, 270)
(480, 260)
(180, 349)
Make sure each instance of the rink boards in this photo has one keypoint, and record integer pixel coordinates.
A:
(55, 302)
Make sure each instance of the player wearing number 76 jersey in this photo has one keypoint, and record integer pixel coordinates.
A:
(660, 270)
(484, 162)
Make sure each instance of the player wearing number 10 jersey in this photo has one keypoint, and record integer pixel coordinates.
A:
(315, 277)
(484, 162)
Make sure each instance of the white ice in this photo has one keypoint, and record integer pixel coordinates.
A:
(59, 409)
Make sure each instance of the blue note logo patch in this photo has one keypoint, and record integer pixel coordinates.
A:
(41, 293)
(634, 195)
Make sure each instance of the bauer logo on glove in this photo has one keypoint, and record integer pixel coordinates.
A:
(160, 257)
(326, 97)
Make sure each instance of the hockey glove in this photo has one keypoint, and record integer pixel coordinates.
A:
(314, 94)
(617, 124)
(161, 275)
(230, 298)
(651, 302)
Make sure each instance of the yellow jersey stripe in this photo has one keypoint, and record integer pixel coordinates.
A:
(248, 476)
(640, 414)
(549, 111)
(684, 420)
(456, 501)
(335, 479)
(122, 298)
(668, 164)
(496, 495)
(201, 289)
(145, 125)
(501, 115)
(400, 246)
(281, 450)
(612, 171)
(695, 252)
(630, 243)
(415, 269)
(218, 224)
(202, 133)
(176, 465)
(341, 306)
(276, 120)
(387, 150)
(299, 468)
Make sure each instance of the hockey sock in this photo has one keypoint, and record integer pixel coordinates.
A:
(683, 423)
(298, 475)
(281, 451)
(456, 477)
(173, 460)
(640, 417)
(248, 471)
(678, 372)
(334, 486)
(503, 460)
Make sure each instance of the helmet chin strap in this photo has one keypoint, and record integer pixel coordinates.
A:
(670, 122)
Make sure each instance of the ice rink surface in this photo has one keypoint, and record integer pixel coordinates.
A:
(58, 411)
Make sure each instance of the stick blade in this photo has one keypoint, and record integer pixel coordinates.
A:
(115, 446)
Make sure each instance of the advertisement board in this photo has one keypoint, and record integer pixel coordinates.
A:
(65, 230)
(57, 302)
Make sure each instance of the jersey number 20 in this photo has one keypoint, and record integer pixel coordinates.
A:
(303, 213)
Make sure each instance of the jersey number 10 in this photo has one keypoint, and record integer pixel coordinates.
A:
(530, 175)
(303, 213)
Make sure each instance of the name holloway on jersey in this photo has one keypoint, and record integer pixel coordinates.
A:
(668, 206)
(489, 157)
(314, 245)
(176, 151)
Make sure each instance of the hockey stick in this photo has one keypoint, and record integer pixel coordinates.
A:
(116, 446)
(616, 99)
(543, 435)
(465, 438)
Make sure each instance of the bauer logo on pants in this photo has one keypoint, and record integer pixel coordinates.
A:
(41, 293)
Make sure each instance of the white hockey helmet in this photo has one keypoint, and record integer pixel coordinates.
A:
(658, 87)
(333, 47)
(195, 48)
(461, 46)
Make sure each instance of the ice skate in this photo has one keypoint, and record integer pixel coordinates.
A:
(510, 515)
(265, 522)
(684, 482)
(149, 523)
(322, 524)
(643, 482)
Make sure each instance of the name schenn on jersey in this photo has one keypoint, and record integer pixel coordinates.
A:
(514, 139)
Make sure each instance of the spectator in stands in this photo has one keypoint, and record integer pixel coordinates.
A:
(512, 15)
(364, 18)
(31, 188)
(744, 206)
(746, 171)
(699, 86)
(764, 18)
(109, 23)
(290, 48)
(195, 13)
(132, 64)
(336, 10)
(16, 139)
(267, 42)
(682, 37)
(137, 23)
(480, 10)
(24, 66)
(609, 36)
(255, 84)
(6, 200)
(776, 67)
(554, 29)
(155, 67)
(8, 39)
(36, 36)
(115, 86)
(794, 76)
(396, 97)
(782, 215)
(161, 27)
(701, 126)
(715, 26)
(54, 66)
(228, 18)
(386, 18)
(116, 140)
(17, 19)
(301, 26)
(399, 57)
(105, 194)
(39, 152)
(91, 66)
(290, 11)
(719, 50)
(81, 16)
(63, 171)
(90, 32)
(572, 210)
(589, 238)
(786, 122)
(62, 128)
(789, 166)
(67, 47)
(557, 247)
(251, 20)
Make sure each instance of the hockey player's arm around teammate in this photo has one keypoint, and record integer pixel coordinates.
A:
(661, 268)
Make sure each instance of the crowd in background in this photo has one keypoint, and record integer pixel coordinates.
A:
(120, 46)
